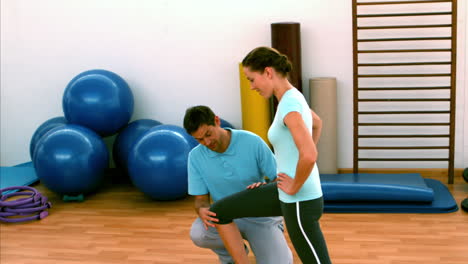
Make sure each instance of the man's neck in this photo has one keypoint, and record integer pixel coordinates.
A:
(226, 140)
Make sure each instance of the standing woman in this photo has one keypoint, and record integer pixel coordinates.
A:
(296, 194)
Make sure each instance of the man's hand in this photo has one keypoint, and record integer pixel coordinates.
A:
(202, 207)
(255, 185)
(207, 217)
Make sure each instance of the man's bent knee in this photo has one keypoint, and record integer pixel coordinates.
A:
(205, 238)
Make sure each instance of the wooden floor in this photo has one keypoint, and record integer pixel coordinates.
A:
(120, 225)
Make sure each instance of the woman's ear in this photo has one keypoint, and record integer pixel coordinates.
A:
(268, 72)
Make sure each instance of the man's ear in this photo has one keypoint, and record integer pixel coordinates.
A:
(217, 121)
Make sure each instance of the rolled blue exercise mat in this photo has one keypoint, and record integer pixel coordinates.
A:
(405, 187)
(20, 175)
(385, 193)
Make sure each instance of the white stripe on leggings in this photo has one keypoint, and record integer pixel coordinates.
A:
(304, 234)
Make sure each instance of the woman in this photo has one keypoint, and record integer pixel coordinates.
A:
(296, 193)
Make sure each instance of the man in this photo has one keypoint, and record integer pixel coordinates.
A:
(225, 162)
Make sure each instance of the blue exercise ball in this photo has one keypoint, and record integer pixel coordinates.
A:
(99, 100)
(127, 137)
(71, 159)
(181, 132)
(225, 123)
(157, 164)
(43, 129)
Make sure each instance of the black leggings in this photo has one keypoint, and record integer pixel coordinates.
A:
(301, 218)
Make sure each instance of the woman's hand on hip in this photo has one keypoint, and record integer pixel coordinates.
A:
(287, 184)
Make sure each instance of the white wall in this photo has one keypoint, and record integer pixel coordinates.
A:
(464, 9)
(173, 54)
(464, 82)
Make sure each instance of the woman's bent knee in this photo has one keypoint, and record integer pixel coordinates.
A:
(221, 213)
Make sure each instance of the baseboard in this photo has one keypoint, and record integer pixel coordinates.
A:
(438, 174)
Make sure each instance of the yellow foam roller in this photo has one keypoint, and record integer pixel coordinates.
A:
(256, 116)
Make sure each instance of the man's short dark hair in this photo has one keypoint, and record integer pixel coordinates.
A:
(196, 116)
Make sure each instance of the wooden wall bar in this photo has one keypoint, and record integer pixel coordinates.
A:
(404, 67)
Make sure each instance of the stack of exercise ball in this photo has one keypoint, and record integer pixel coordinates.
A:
(70, 156)
(68, 153)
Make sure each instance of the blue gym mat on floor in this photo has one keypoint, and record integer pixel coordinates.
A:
(405, 187)
(385, 193)
(19, 175)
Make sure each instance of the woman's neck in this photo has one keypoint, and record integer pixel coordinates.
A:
(283, 86)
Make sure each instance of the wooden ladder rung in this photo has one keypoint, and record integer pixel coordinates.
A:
(402, 112)
(404, 100)
(403, 159)
(404, 50)
(385, 64)
(405, 136)
(403, 2)
(404, 14)
(403, 124)
(404, 26)
(404, 39)
(402, 147)
(403, 88)
(403, 75)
